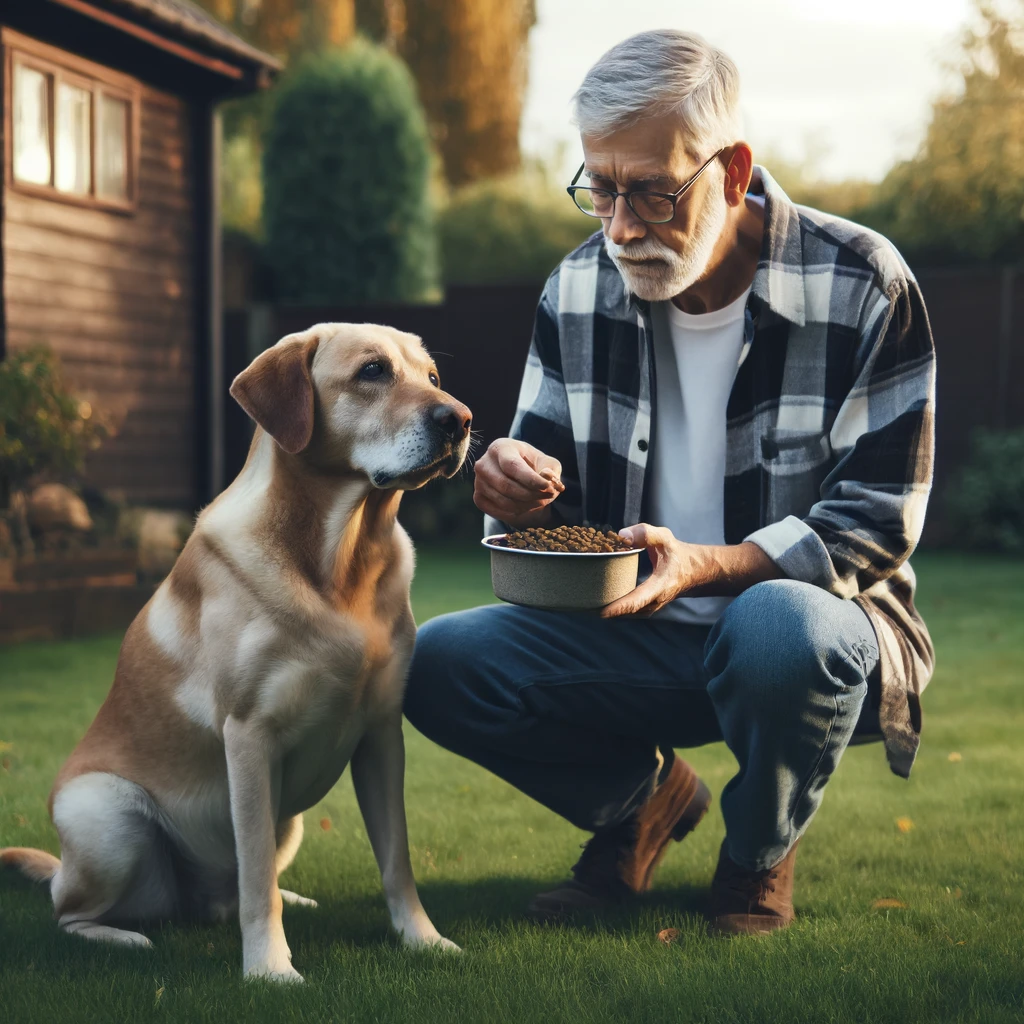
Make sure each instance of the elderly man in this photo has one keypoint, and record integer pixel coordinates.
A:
(746, 386)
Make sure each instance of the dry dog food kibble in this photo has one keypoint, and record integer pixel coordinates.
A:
(581, 539)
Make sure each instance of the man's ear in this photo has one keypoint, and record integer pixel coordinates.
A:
(739, 169)
(276, 390)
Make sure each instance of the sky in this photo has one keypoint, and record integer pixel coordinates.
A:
(844, 85)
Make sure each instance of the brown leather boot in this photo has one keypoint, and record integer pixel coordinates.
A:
(747, 902)
(619, 862)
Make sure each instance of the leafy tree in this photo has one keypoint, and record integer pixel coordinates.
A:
(469, 58)
(346, 175)
(511, 229)
(961, 198)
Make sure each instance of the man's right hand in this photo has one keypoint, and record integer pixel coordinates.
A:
(516, 483)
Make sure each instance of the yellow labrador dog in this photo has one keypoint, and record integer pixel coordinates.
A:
(273, 655)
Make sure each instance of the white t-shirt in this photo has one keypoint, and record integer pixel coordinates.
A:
(696, 358)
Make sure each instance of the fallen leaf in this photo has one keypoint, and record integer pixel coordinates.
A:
(20, 820)
(954, 757)
(6, 764)
(888, 903)
(668, 935)
(159, 993)
(904, 824)
(955, 893)
(325, 824)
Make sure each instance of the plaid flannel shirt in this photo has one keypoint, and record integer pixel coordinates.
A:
(829, 424)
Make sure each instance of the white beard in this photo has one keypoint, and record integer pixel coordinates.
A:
(653, 271)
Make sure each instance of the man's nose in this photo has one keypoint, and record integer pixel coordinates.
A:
(625, 226)
(453, 418)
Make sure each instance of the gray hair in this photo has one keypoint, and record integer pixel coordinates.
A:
(663, 72)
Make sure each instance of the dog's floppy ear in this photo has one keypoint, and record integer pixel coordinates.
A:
(276, 390)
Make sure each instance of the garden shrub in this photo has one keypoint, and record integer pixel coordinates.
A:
(512, 229)
(45, 430)
(346, 170)
(986, 501)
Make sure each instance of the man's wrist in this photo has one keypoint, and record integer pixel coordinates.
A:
(725, 570)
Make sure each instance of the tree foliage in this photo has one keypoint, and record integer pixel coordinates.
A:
(346, 173)
(287, 28)
(469, 58)
(961, 198)
(511, 229)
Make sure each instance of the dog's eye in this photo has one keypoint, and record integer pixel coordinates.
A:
(434, 380)
(372, 371)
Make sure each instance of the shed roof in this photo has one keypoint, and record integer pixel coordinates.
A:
(189, 23)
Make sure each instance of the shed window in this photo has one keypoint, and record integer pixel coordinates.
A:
(73, 141)
(31, 126)
(74, 130)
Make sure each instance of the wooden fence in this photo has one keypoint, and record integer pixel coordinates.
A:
(480, 336)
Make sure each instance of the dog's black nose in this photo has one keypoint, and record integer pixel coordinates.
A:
(454, 420)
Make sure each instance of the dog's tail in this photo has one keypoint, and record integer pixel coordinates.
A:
(38, 865)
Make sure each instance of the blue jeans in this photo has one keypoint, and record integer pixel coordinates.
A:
(580, 713)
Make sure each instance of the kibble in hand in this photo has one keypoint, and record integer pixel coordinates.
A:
(576, 539)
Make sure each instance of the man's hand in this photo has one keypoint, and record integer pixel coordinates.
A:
(516, 483)
(690, 570)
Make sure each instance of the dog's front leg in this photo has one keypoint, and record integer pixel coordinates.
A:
(378, 774)
(265, 951)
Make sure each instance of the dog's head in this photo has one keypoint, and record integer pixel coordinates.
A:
(360, 398)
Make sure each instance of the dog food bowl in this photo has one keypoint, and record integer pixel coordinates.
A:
(560, 580)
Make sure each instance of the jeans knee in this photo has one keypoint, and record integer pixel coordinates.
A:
(779, 639)
(432, 672)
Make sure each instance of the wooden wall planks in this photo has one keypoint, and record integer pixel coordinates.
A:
(113, 295)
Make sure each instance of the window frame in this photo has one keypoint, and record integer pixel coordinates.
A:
(98, 80)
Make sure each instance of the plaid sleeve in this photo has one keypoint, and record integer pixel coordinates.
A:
(542, 414)
(871, 509)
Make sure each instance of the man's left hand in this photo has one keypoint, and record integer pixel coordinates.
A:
(694, 570)
(673, 563)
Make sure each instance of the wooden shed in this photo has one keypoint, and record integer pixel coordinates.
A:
(111, 235)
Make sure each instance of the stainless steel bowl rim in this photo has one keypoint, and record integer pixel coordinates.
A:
(487, 543)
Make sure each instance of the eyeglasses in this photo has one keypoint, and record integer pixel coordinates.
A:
(650, 207)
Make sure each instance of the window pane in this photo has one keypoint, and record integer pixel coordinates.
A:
(73, 139)
(112, 143)
(31, 126)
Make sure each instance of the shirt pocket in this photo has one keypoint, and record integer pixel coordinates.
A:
(793, 468)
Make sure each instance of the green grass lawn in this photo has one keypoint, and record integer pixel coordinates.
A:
(952, 949)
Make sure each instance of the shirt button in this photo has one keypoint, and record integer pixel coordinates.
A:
(642, 444)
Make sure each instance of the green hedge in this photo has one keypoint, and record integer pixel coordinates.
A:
(346, 172)
(986, 501)
(514, 229)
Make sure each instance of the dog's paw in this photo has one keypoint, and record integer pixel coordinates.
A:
(277, 973)
(295, 900)
(434, 942)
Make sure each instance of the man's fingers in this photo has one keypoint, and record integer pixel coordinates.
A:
(635, 602)
(499, 505)
(643, 535)
(516, 468)
(549, 468)
(511, 489)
